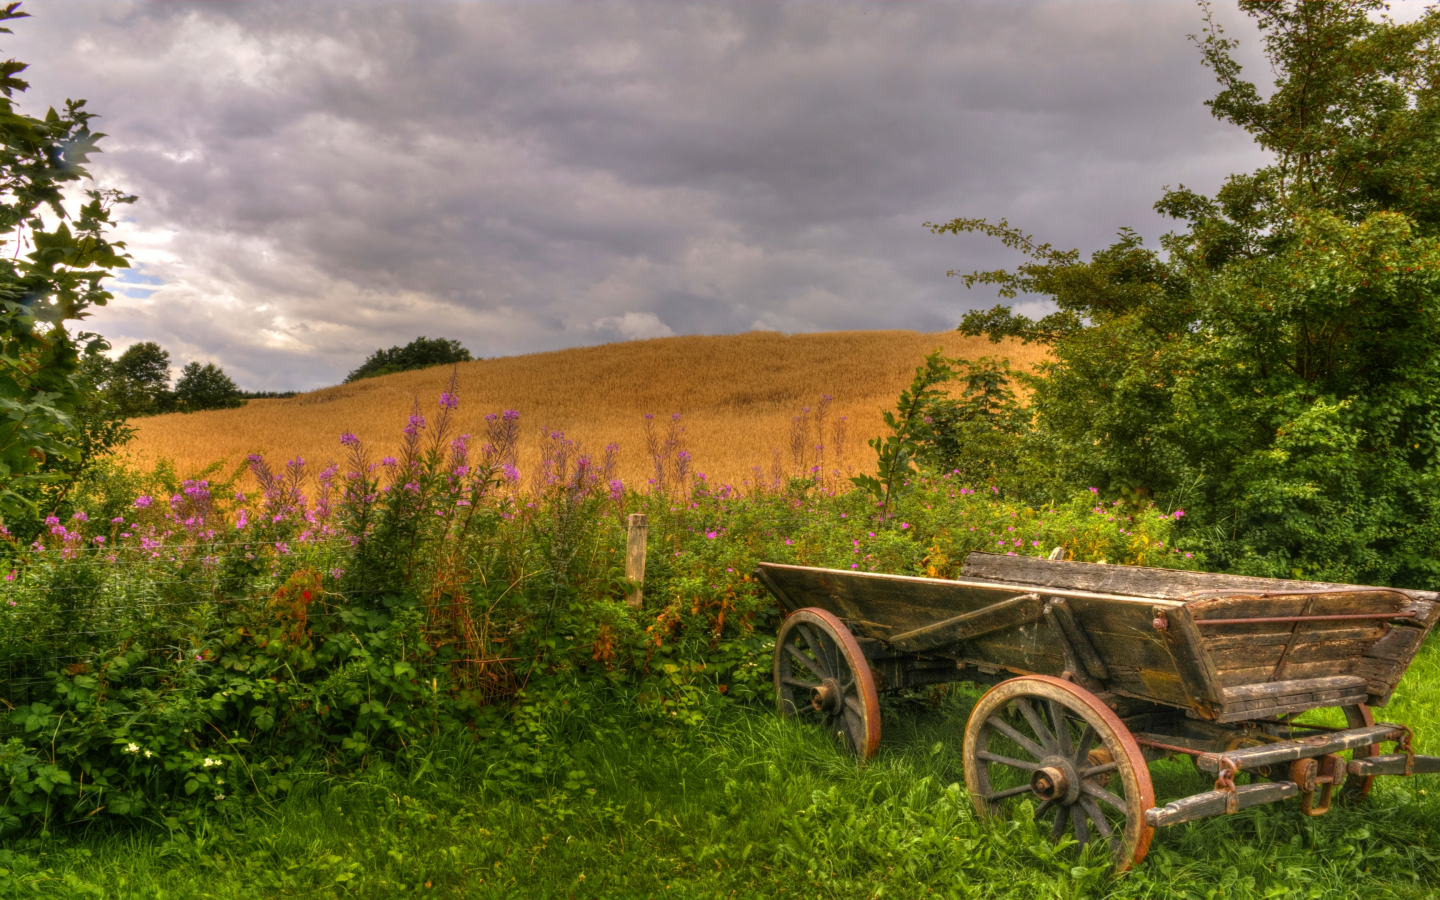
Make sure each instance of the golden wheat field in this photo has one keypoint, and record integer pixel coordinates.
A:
(737, 397)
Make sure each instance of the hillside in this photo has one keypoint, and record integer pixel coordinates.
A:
(737, 396)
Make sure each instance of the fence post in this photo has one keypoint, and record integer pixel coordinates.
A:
(635, 557)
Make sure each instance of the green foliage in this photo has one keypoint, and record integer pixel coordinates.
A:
(421, 353)
(138, 382)
(908, 426)
(206, 387)
(56, 282)
(1275, 371)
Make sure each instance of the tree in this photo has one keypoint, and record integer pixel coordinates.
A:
(206, 387)
(50, 274)
(139, 383)
(1276, 371)
(421, 353)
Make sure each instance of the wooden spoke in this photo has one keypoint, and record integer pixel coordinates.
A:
(1099, 793)
(1062, 727)
(1062, 815)
(1007, 761)
(1082, 833)
(1009, 792)
(1071, 723)
(1046, 738)
(1082, 746)
(1096, 816)
(1100, 770)
(1043, 809)
(807, 685)
(1025, 743)
(808, 663)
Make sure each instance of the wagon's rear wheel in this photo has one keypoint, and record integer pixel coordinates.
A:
(1056, 745)
(821, 676)
(1357, 787)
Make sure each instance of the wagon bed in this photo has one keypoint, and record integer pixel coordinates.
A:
(1211, 666)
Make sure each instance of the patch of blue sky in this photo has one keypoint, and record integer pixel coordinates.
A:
(134, 283)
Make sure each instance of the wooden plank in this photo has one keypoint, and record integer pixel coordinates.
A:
(1259, 710)
(1285, 688)
(1141, 581)
(1215, 803)
(1079, 640)
(882, 606)
(1394, 764)
(1289, 751)
(1234, 677)
(1400, 644)
(639, 527)
(1251, 638)
(1020, 610)
(1186, 646)
(1250, 606)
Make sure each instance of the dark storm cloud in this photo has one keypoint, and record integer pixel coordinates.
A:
(318, 180)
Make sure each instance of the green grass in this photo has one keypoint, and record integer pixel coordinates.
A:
(742, 805)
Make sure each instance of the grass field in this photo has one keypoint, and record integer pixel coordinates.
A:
(737, 396)
(746, 805)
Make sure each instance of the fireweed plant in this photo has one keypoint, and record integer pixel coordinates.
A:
(192, 655)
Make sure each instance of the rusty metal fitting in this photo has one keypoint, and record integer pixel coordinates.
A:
(1226, 784)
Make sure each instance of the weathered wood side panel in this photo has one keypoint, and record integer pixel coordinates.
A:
(1261, 652)
(1004, 614)
(881, 606)
(1142, 661)
(1143, 581)
(1385, 662)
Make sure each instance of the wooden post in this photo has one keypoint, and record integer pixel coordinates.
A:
(635, 557)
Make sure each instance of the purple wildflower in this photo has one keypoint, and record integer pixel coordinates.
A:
(143, 501)
(349, 440)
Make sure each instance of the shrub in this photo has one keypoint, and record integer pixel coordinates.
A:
(421, 353)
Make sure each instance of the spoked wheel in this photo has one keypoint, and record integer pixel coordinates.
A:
(1056, 745)
(1357, 787)
(822, 676)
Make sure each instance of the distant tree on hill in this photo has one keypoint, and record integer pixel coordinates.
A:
(138, 383)
(421, 353)
(206, 387)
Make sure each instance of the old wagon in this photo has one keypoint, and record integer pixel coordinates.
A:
(1100, 670)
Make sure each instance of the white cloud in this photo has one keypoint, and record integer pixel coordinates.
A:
(634, 326)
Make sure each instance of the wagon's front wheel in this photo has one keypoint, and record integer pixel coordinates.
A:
(821, 676)
(1054, 744)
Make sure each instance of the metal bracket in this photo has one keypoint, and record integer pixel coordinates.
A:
(1225, 784)
(1323, 774)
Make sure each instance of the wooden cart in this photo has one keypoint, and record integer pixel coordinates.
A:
(1117, 666)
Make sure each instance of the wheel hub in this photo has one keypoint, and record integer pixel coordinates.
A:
(1056, 780)
(827, 698)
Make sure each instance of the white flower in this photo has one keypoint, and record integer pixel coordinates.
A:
(148, 754)
(219, 796)
(134, 748)
(210, 762)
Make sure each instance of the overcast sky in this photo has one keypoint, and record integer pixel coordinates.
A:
(320, 180)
